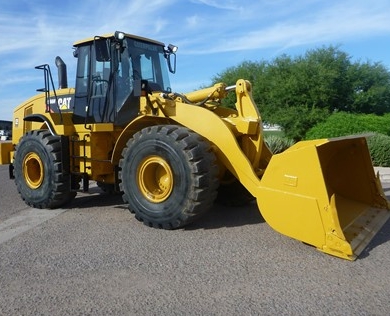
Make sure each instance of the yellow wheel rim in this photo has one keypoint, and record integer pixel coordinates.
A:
(155, 179)
(33, 170)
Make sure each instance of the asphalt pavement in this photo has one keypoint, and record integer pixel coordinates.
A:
(95, 258)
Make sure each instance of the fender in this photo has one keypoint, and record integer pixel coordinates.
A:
(132, 128)
(43, 119)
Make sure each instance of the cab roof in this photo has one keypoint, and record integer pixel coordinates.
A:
(112, 35)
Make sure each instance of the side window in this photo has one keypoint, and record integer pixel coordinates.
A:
(124, 80)
(100, 78)
(150, 71)
(147, 70)
(82, 82)
(82, 76)
(92, 86)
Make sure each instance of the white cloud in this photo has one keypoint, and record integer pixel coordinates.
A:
(193, 21)
(36, 32)
(222, 4)
(334, 23)
(19, 80)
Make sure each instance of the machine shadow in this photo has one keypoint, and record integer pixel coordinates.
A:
(218, 216)
(96, 198)
(382, 237)
(226, 216)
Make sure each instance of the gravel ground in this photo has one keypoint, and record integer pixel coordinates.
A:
(97, 259)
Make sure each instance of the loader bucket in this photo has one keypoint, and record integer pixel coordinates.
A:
(325, 193)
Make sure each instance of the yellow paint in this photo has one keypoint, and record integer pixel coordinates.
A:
(322, 192)
(155, 179)
(33, 170)
(6, 148)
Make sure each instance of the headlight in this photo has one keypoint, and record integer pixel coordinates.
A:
(119, 35)
(172, 48)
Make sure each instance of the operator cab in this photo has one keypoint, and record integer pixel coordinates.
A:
(110, 72)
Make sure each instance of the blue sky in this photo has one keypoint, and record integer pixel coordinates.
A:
(212, 35)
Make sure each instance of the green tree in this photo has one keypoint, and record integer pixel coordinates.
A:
(298, 93)
(297, 120)
(252, 71)
(371, 88)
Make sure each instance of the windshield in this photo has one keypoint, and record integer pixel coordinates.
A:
(146, 61)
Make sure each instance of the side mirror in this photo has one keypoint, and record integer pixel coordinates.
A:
(172, 62)
(102, 51)
(170, 54)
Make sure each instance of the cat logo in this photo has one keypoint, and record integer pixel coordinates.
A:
(64, 103)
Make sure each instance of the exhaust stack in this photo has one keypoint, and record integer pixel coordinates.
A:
(62, 75)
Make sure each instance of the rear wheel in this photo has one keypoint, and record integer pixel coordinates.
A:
(39, 171)
(168, 176)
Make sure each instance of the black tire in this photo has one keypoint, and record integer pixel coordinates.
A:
(39, 171)
(168, 176)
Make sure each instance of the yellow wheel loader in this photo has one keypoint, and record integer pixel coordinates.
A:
(172, 154)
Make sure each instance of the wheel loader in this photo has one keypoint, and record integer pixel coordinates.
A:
(172, 155)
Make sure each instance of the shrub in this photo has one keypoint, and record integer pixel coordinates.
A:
(278, 144)
(379, 146)
(342, 124)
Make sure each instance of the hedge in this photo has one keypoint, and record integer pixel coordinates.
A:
(379, 146)
(343, 124)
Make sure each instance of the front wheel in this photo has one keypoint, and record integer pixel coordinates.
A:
(168, 176)
(40, 174)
